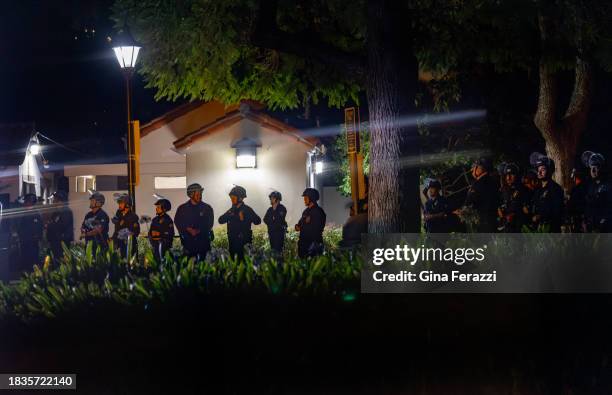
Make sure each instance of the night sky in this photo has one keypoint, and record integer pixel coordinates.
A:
(57, 69)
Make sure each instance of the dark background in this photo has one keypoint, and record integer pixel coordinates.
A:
(57, 69)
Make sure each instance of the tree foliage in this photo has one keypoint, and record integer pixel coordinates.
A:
(340, 155)
(203, 49)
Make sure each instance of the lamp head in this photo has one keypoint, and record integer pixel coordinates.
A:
(126, 50)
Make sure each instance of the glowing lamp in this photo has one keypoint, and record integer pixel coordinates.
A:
(126, 49)
(127, 56)
(246, 160)
(318, 167)
(34, 148)
(246, 153)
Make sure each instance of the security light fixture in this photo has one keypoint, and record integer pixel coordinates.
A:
(318, 167)
(245, 158)
(246, 153)
(34, 147)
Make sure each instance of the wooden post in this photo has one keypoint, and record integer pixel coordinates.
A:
(355, 158)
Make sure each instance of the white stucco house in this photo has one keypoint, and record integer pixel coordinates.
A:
(221, 146)
(105, 178)
(217, 146)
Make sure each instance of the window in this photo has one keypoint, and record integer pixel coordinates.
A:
(85, 183)
(170, 182)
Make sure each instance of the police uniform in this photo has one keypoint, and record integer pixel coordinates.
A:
(29, 229)
(515, 200)
(277, 226)
(129, 222)
(435, 206)
(598, 206)
(91, 221)
(239, 231)
(576, 205)
(162, 243)
(482, 197)
(547, 202)
(311, 226)
(60, 229)
(197, 216)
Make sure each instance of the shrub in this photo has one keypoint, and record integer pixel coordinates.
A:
(86, 278)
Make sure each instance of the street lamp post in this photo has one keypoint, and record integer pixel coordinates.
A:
(127, 54)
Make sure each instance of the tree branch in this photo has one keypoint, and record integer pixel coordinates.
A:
(268, 35)
(579, 105)
(544, 118)
(578, 108)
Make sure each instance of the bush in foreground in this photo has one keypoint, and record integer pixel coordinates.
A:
(88, 278)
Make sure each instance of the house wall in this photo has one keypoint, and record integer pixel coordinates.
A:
(9, 182)
(280, 166)
(79, 201)
(157, 159)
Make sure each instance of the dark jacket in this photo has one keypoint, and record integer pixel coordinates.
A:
(514, 202)
(547, 202)
(576, 206)
(483, 198)
(61, 226)
(598, 211)
(198, 216)
(439, 205)
(352, 230)
(128, 221)
(275, 219)
(239, 230)
(29, 225)
(165, 226)
(100, 218)
(311, 226)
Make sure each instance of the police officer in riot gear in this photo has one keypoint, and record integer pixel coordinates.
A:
(161, 232)
(96, 222)
(437, 210)
(60, 225)
(275, 220)
(576, 202)
(482, 196)
(598, 209)
(311, 225)
(547, 200)
(29, 227)
(239, 219)
(515, 202)
(194, 220)
(126, 225)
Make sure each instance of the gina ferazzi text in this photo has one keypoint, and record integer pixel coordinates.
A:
(432, 277)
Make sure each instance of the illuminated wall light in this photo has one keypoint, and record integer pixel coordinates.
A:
(318, 167)
(34, 148)
(246, 153)
(246, 161)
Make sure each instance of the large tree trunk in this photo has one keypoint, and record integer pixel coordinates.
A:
(562, 136)
(394, 204)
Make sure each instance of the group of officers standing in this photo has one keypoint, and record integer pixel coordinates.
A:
(507, 202)
(194, 220)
